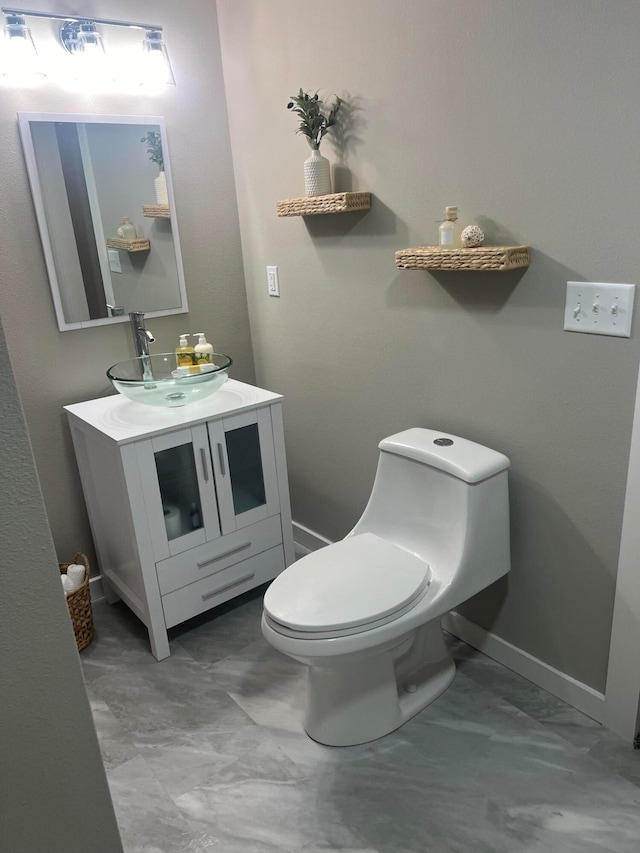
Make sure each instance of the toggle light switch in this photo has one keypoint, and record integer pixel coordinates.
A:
(610, 311)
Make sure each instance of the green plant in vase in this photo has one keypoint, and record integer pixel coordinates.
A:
(316, 119)
(153, 141)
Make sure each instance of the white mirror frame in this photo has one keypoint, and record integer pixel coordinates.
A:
(24, 120)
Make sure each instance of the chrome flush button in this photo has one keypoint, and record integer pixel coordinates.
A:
(443, 442)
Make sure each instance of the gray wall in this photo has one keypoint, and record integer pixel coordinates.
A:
(54, 790)
(54, 368)
(526, 116)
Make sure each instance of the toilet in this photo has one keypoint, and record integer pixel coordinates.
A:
(364, 613)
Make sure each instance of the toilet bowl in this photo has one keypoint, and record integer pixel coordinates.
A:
(364, 613)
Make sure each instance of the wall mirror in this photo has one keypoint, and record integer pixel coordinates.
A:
(87, 173)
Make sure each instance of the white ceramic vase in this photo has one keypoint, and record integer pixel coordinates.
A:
(317, 175)
(162, 196)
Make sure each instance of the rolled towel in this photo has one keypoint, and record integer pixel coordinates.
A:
(67, 584)
(76, 574)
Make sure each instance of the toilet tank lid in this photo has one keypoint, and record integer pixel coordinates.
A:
(464, 459)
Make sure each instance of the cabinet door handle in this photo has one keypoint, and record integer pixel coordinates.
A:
(220, 589)
(223, 470)
(224, 554)
(205, 467)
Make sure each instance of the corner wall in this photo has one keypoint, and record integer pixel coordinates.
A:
(492, 106)
(54, 789)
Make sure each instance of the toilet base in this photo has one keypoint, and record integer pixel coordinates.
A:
(368, 697)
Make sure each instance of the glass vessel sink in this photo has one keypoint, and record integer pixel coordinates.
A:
(155, 381)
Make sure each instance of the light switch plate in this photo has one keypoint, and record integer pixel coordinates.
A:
(273, 282)
(598, 308)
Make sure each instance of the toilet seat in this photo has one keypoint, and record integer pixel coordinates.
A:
(358, 583)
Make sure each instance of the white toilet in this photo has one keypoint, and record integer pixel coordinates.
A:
(364, 613)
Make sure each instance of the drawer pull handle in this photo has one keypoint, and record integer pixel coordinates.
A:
(223, 470)
(205, 467)
(228, 586)
(224, 554)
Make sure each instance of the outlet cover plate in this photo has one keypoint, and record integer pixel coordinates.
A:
(114, 260)
(598, 308)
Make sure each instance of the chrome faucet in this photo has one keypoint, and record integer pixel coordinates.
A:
(142, 337)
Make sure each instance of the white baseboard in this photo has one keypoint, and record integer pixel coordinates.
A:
(573, 692)
(306, 541)
(95, 588)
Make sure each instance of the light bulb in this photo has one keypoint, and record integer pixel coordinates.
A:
(21, 64)
(155, 67)
(90, 59)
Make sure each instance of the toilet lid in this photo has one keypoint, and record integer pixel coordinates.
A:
(347, 585)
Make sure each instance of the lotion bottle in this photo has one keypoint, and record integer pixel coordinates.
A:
(203, 350)
(184, 353)
(450, 231)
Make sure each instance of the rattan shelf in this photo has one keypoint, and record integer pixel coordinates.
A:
(128, 245)
(494, 258)
(334, 203)
(157, 211)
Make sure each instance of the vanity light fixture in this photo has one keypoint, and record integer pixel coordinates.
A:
(82, 39)
(21, 63)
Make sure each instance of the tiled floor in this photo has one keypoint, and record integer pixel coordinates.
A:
(205, 751)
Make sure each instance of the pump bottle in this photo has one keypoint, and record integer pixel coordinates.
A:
(185, 355)
(203, 350)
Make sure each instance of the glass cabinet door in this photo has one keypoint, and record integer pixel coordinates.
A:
(178, 482)
(245, 468)
(179, 491)
(244, 461)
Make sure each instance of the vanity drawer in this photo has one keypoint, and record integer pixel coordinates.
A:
(215, 556)
(213, 590)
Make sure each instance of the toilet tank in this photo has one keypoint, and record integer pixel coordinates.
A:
(445, 499)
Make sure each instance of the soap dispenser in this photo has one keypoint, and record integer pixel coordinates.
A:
(450, 232)
(184, 352)
(203, 350)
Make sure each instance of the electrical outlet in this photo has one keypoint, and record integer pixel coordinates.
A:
(598, 308)
(272, 281)
(114, 260)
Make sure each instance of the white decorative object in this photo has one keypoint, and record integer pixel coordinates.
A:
(162, 196)
(472, 236)
(67, 584)
(76, 574)
(317, 174)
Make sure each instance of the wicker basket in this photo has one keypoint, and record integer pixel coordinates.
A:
(79, 604)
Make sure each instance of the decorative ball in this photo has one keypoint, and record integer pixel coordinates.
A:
(472, 236)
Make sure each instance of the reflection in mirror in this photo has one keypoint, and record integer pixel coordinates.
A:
(89, 174)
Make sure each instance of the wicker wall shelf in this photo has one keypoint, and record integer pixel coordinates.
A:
(158, 211)
(496, 258)
(334, 203)
(128, 245)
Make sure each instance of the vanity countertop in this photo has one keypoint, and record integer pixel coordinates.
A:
(124, 421)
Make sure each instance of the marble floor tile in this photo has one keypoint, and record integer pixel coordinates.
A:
(206, 751)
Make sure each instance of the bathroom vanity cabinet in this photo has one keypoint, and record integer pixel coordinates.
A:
(188, 506)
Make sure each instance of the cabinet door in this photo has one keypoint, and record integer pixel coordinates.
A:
(179, 491)
(245, 468)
